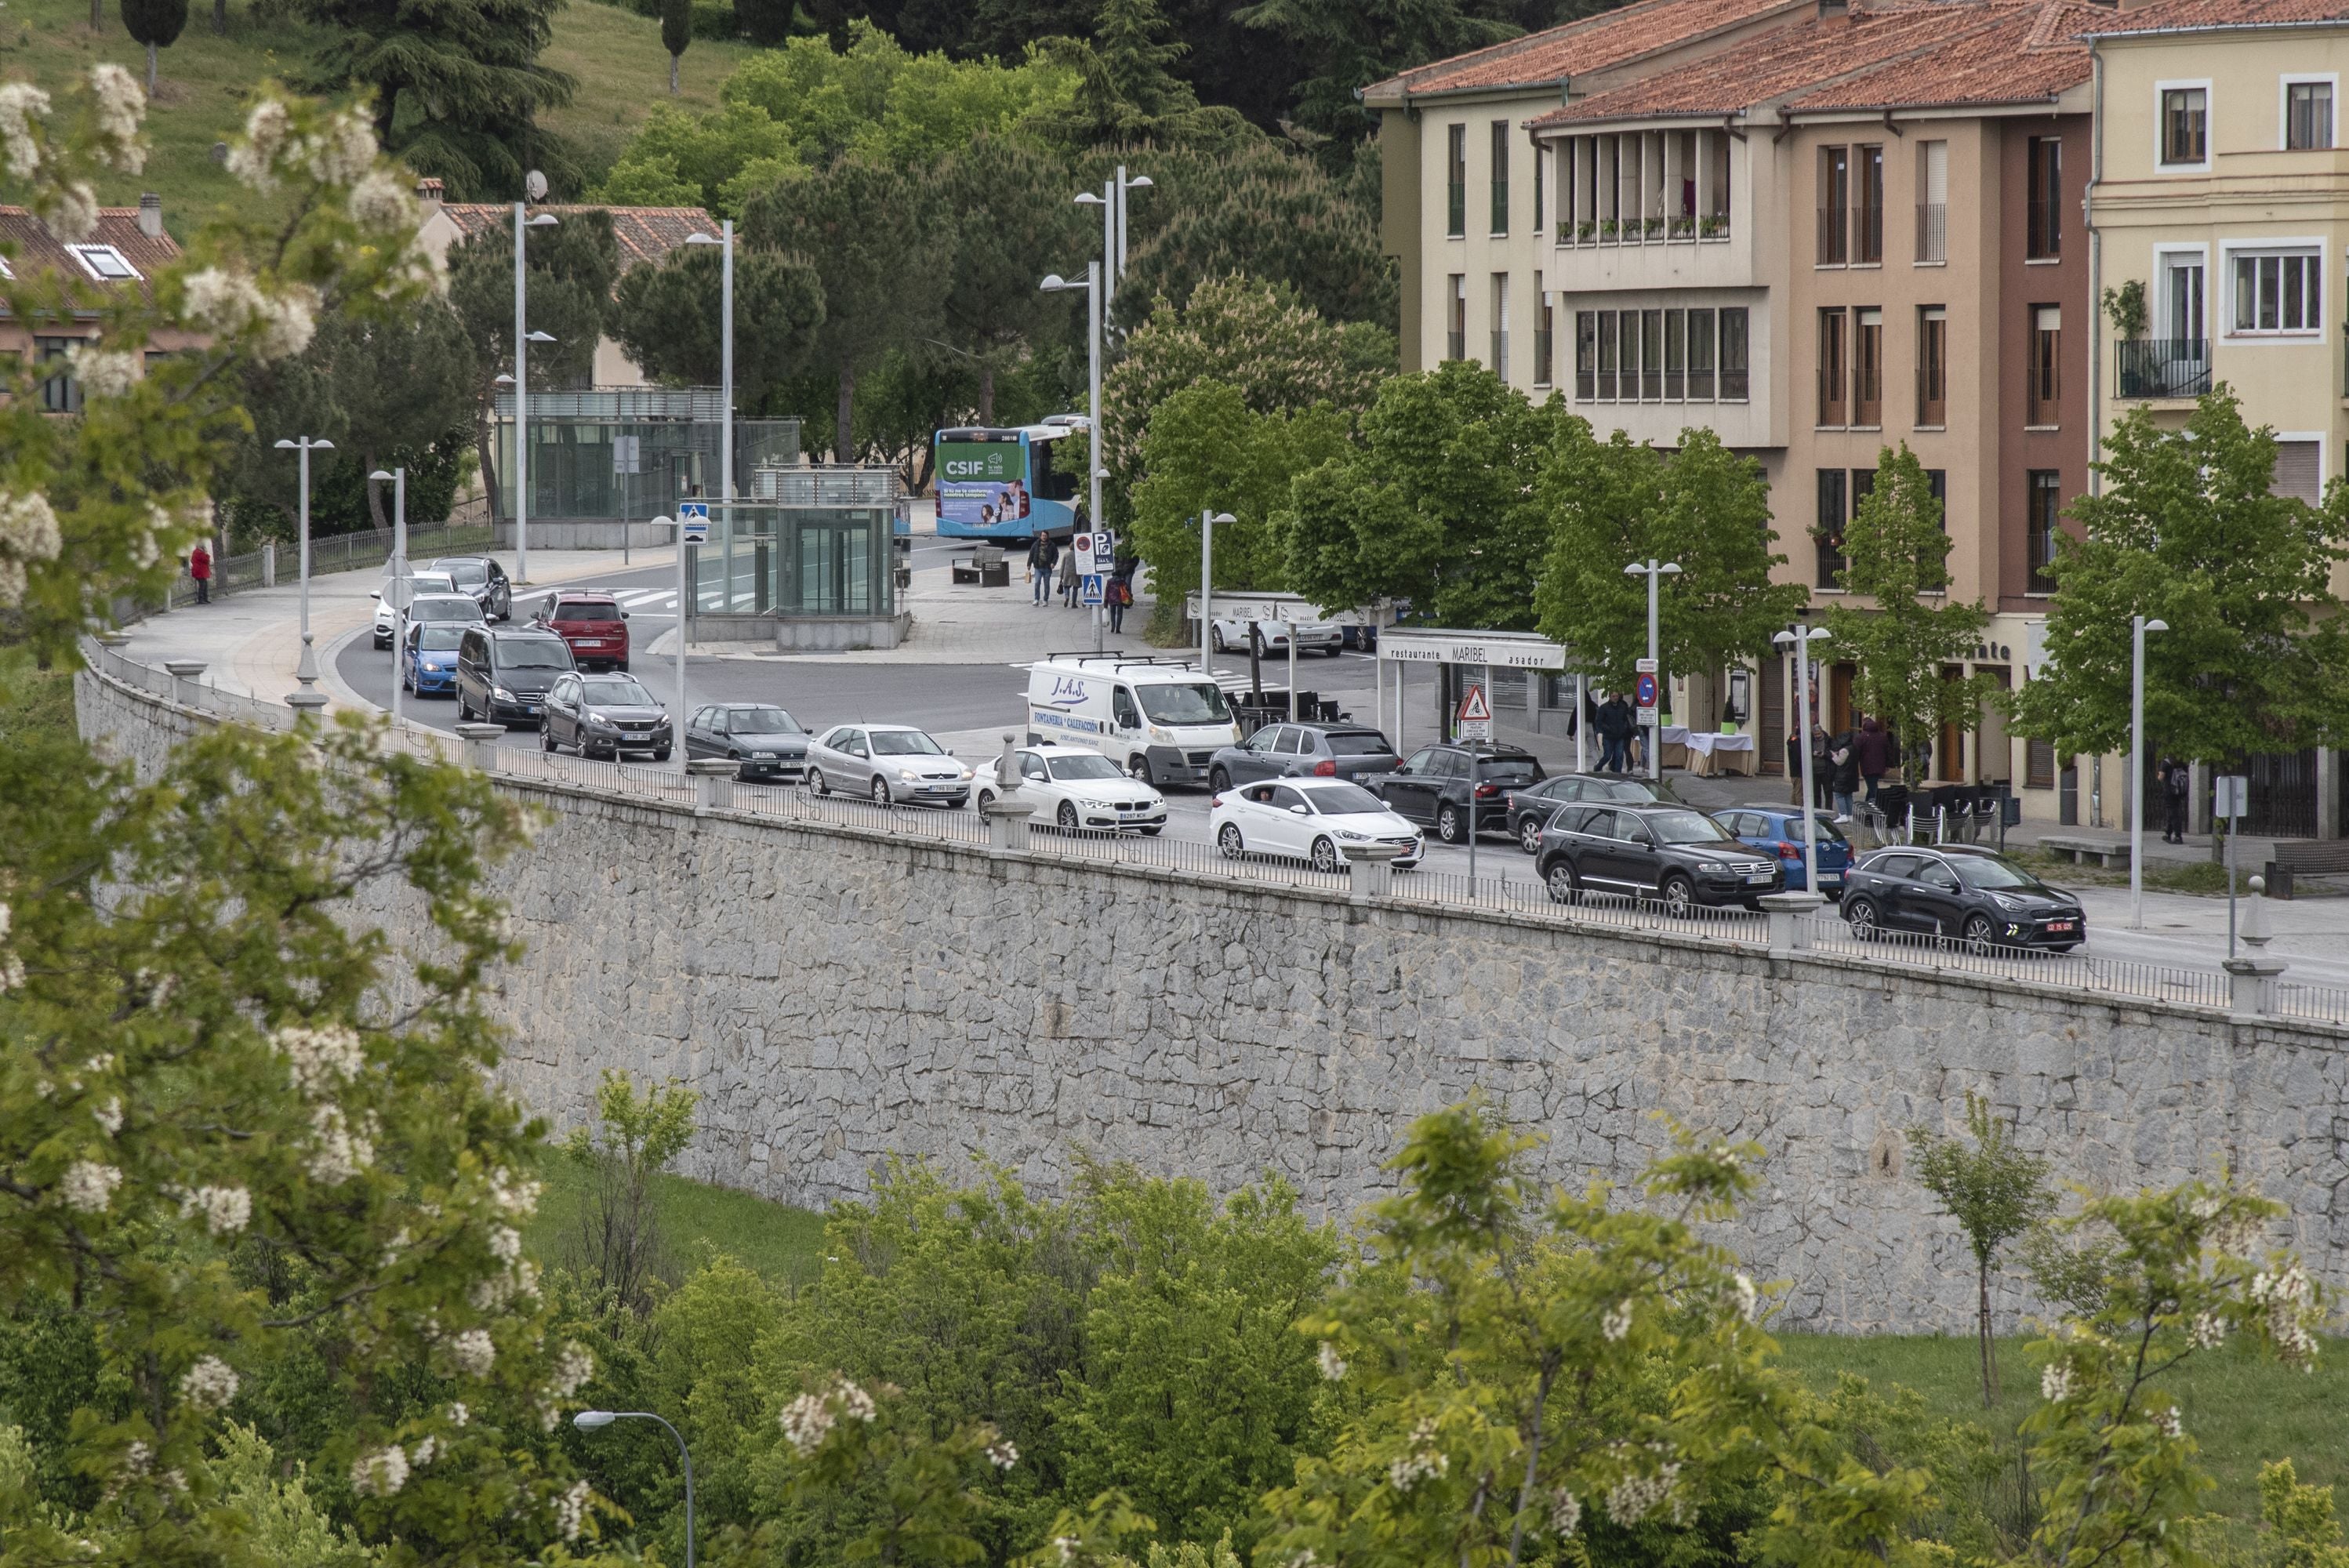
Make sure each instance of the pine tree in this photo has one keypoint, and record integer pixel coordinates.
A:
(156, 24)
(676, 32)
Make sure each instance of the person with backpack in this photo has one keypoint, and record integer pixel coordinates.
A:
(1120, 593)
(2177, 785)
(1843, 758)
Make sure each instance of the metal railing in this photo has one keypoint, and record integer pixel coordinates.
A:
(2316, 1004)
(2162, 367)
(1932, 231)
(1827, 934)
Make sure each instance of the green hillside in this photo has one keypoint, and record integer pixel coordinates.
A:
(615, 56)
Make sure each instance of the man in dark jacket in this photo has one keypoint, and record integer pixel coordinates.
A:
(1875, 754)
(1615, 724)
(2177, 784)
(1842, 757)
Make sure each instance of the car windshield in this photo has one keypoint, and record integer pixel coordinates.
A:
(904, 743)
(761, 721)
(618, 690)
(444, 609)
(1196, 704)
(1084, 767)
(420, 582)
(587, 609)
(1358, 743)
(1345, 799)
(1828, 832)
(1986, 871)
(1685, 828)
(466, 572)
(1508, 770)
(440, 638)
(535, 654)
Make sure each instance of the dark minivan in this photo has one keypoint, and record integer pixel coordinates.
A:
(1674, 854)
(1433, 786)
(502, 677)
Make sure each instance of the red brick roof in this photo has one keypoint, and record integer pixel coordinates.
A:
(2182, 15)
(2029, 54)
(34, 249)
(645, 233)
(1592, 43)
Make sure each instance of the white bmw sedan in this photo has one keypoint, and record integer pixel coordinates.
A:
(1076, 788)
(1312, 819)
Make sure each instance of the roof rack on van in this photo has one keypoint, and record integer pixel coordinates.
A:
(1086, 656)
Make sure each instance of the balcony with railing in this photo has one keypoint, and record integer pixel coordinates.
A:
(1932, 231)
(2162, 367)
(1834, 237)
(1868, 238)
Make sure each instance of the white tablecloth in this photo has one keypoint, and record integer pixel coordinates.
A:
(1704, 746)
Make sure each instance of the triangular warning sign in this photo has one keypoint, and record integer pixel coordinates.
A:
(1474, 708)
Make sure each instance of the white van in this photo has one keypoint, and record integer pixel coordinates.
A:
(1160, 719)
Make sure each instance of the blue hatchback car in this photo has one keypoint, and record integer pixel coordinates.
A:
(1778, 830)
(428, 662)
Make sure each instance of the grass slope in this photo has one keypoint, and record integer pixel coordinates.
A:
(784, 1243)
(615, 57)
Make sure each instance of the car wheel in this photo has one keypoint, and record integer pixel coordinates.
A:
(1218, 780)
(1981, 933)
(985, 800)
(1679, 896)
(1450, 826)
(1324, 855)
(1228, 841)
(1138, 770)
(1066, 816)
(880, 790)
(1530, 833)
(621, 665)
(1861, 916)
(818, 782)
(546, 737)
(1565, 887)
(1216, 636)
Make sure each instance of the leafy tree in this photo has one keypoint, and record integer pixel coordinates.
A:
(466, 73)
(156, 24)
(1896, 552)
(766, 23)
(1126, 90)
(1013, 222)
(1208, 450)
(670, 319)
(1340, 46)
(871, 233)
(621, 1248)
(676, 32)
(1995, 1191)
(717, 160)
(1703, 506)
(2188, 529)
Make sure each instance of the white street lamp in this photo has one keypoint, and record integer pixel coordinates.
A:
(1055, 284)
(1207, 520)
(1139, 182)
(597, 1420)
(307, 671)
(398, 585)
(524, 337)
(1801, 641)
(724, 238)
(1655, 570)
(2138, 627)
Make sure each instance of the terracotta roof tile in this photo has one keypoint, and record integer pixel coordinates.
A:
(2173, 15)
(1590, 44)
(2029, 54)
(37, 250)
(645, 233)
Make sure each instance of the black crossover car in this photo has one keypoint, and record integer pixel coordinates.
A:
(1529, 810)
(1308, 750)
(768, 742)
(483, 579)
(1957, 889)
(1434, 786)
(1675, 854)
(608, 716)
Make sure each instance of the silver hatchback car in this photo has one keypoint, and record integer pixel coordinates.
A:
(891, 763)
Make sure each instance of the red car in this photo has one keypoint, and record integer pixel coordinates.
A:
(592, 624)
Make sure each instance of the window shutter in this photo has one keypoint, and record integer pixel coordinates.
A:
(2297, 464)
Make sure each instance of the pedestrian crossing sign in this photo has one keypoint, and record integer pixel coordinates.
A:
(1089, 589)
(693, 520)
(1475, 715)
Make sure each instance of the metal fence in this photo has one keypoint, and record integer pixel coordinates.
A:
(2314, 1003)
(2106, 977)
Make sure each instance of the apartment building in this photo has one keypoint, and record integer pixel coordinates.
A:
(123, 250)
(2222, 198)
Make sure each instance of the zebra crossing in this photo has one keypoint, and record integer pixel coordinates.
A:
(645, 598)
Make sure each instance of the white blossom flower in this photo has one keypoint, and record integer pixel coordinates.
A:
(103, 372)
(221, 302)
(1748, 1297)
(22, 107)
(459, 1415)
(2055, 1383)
(138, 1458)
(505, 1243)
(320, 1057)
(72, 213)
(2169, 1423)
(28, 528)
(1424, 1462)
(340, 1154)
(110, 1115)
(809, 1419)
(120, 101)
(13, 581)
(226, 1210)
(87, 1187)
(1066, 1545)
(1333, 1366)
(381, 1473)
(424, 1452)
(1002, 1454)
(1635, 1497)
(290, 320)
(342, 152)
(176, 1478)
(573, 1367)
(254, 159)
(380, 201)
(474, 1351)
(525, 1278)
(210, 1384)
(516, 1199)
(571, 1511)
(1618, 1321)
(1565, 1511)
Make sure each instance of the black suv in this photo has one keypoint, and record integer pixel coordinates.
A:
(1529, 810)
(482, 578)
(503, 676)
(1957, 889)
(1675, 854)
(1433, 785)
(1312, 750)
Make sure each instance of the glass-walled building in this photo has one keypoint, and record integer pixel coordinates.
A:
(624, 454)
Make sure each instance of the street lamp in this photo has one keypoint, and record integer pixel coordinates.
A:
(2138, 627)
(307, 671)
(1055, 284)
(1655, 570)
(1801, 641)
(524, 337)
(398, 585)
(724, 240)
(597, 1420)
(1207, 520)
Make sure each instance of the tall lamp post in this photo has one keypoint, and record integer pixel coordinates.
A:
(307, 671)
(1207, 520)
(524, 337)
(1802, 640)
(1656, 570)
(2138, 627)
(597, 1420)
(724, 238)
(397, 477)
(1056, 284)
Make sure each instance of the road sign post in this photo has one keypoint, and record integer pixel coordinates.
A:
(2232, 798)
(1643, 696)
(1474, 719)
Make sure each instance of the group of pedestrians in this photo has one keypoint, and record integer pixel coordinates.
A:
(1617, 726)
(1843, 764)
(1049, 559)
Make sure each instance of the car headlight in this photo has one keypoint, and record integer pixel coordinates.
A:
(906, 775)
(1351, 837)
(2005, 902)
(500, 693)
(433, 667)
(1158, 734)
(1711, 868)
(594, 717)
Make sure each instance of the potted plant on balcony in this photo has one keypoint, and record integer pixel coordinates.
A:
(1716, 227)
(1587, 230)
(2125, 308)
(1608, 228)
(1684, 228)
(1655, 227)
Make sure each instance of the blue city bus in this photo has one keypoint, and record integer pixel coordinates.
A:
(1008, 484)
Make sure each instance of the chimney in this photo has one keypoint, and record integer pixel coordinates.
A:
(1835, 11)
(151, 215)
(428, 194)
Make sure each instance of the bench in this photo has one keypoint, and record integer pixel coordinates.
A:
(2078, 851)
(2313, 857)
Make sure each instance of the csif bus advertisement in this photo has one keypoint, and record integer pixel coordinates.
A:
(983, 487)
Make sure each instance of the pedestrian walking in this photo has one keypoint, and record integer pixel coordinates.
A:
(1842, 756)
(1795, 767)
(1120, 593)
(2177, 784)
(200, 567)
(1040, 555)
(1875, 754)
(1822, 770)
(1614, 723)
(1069, 577)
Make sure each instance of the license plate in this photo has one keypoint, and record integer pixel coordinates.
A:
(1759, 877)
(2060, 925)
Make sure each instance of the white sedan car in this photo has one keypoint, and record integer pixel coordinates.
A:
(1310, 819)
(893, 763)
(1076, 788)
(1231, 635)
(420, 584)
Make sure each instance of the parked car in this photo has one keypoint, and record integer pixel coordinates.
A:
(482, 578)
(420, 584)
(1310, 819)
(1076, 788)
(1675, 854)
(1776, 830)
(427, 662)
(593, 623)
(1959, 890)
(1230, 635)
(1319, 751)
(503, 677)
(612, 714)
(1529, 810)
(1433, 786)
(766, 740)
(890, 762)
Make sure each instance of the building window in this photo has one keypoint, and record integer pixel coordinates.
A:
(2307, 115)
(1457, 170)
(1833, 409)
(1732, 355)
(1828, 532)
(2043, 511)
(1675, 356)
(1868, 368)
(2299, 471)
(1652, 355)
(1835, 203)
(1541, 189)
(1586, 355)
(1501, 325)
(1659, 355)
(2039, 765)
(1455, 346)
(2185, 124)
(1867, 241)
(2046, 385)
(2044, 222)
(1610, 359)
(1701, 387)
(104, 262)
(1932, 202)
(1545, 327)
(1937, 485)
(1500, 177)
(2278, 291)
(1933, 365)
(61, 393)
